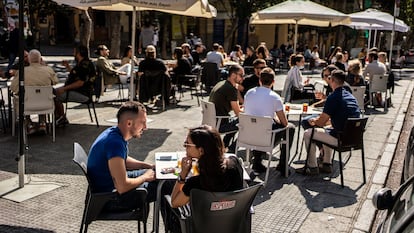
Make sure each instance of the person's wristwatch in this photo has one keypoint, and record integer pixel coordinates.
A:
(180, 180)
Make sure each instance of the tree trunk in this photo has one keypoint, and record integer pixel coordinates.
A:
(87, 29)
(115, 34)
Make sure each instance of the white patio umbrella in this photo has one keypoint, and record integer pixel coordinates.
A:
(369, 18)
(195, 8)
(300, 12)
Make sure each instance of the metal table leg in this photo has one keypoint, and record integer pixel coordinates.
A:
(156, 222)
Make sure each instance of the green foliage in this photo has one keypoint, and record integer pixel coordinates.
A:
(245, 8)
(46, 6)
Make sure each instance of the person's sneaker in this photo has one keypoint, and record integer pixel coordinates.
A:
(258, 168)
(31, 129)
(308, 171)
(62, 121)
(325, 168)
(42, 127)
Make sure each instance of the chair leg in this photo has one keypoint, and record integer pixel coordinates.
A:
(268, 168)
(341, 168)
(86, 228)
(53, 127)
(94, 112)
(363, 165)
(89, 110)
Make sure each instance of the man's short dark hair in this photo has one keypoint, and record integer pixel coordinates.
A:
(216, 46)
(234, 69)
(373, 55)
(338, 76)
(133, 107)
(267, 76)
(259, 61)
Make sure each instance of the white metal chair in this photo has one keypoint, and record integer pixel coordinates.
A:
(38, 100)
(208, 110)
(359, 92)
(255, 133)
(378, 83)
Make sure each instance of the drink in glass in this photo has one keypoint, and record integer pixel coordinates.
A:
(195, 169)
(305, 107)
(287, 107)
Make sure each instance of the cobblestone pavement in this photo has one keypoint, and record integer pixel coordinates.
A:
(293, 204)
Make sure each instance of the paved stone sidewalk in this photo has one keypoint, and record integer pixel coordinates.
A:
(293, 204)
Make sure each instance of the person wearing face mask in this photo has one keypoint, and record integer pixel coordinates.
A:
(295, 86)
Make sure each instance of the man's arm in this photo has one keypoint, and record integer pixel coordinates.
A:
(235, 107)
(132, 163)
(320, 121)
(72, 86)
(282, 117)
(121, 181)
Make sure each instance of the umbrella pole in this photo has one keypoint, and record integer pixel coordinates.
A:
(21, 165)
(392, 37)
(369, 40)
(295, 38)
(132, 75)
(375, 38)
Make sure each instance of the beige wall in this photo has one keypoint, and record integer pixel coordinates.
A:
(265, 33)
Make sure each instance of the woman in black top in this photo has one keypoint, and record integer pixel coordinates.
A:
(217, 173)
(250, 56)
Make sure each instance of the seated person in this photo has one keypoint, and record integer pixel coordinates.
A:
(252, 80)
(153, 65)
(217, 174)
(225, 98)
(110, 74)
(295, 87)
(237, 54)
(340, 61)
(339, 106)
(79, 83)
(315, 56)
(186, 48)
(250, 56)
(127, 57)
(263, 101)
(215, 56)
(401, 58)
(15, 67)
(110, 167)
(35, 74)
(181, 67)
(354, 77)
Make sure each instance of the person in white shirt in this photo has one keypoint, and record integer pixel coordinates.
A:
(263, 101)
(215, 56)
(315, 56)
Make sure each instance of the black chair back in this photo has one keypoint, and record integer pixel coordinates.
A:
(352, 134)
(225, 212)
(95, 202)
(209, 74)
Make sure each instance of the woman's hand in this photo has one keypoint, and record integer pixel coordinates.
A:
(186, 164)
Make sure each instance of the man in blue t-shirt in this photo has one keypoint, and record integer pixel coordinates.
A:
(109, 165)
(339, 106)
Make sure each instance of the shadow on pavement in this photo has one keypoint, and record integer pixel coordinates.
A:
(45, 157)
(6, 228)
